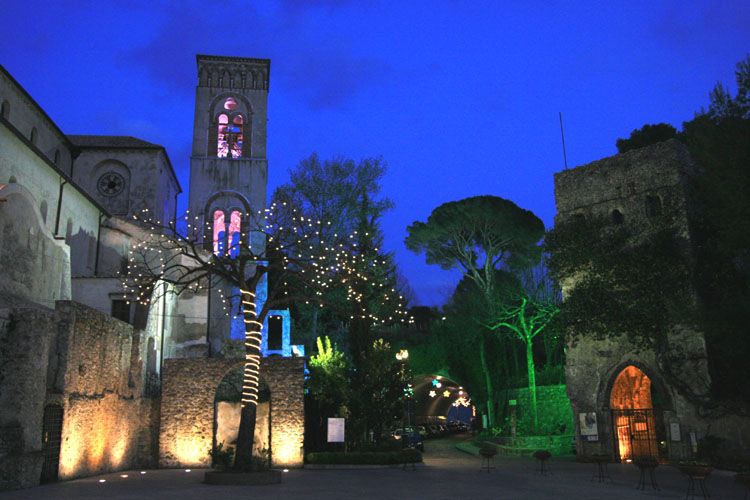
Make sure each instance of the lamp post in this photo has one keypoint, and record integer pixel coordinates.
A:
(402, 356)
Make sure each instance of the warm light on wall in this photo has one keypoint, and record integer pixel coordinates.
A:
(191, 451)
(117, 451)
(287, 452)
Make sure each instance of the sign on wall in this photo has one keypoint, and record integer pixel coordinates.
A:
(674, 430)
(336, 430)
(589, 428)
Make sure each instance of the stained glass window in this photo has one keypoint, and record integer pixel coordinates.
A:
(230, 134)
(219, 233)
(235, 223)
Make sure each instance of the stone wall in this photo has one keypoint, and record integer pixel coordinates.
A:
(104, 414)
(89, 364)
(146, 173)
(627, 183)
(553, 408)
(27, 334)
(187, 409)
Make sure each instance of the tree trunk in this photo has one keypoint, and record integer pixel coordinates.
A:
(250, 384)
(488, 384)
(243, 459)
(531, 370)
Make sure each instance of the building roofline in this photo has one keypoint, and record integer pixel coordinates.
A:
(206, 57)
(147, 145)
(652, 149)
(54, 167)
(38, 107)
(64, 137)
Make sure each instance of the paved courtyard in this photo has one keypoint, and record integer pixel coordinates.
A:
(447, 474)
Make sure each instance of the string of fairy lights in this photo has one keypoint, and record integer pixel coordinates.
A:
(279, 240)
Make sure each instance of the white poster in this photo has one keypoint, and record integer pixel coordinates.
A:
(674, 430)
(589, 428)
(336, 430)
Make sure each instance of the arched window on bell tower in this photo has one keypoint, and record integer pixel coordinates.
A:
(219, 233)
(229, 130)
(235, 227)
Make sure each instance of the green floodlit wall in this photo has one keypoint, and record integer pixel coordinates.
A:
(556, 427)
(554, 410)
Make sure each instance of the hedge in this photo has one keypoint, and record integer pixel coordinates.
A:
(408, 455)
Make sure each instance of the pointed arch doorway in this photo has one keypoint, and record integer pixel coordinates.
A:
(637, 422)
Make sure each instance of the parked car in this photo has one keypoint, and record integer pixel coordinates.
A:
(411, 437)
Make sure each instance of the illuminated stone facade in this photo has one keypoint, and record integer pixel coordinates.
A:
(68, 369)
(90, 366)
(639, 189)
(188, 422)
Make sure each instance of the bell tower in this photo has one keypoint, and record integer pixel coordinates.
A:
(228, 164)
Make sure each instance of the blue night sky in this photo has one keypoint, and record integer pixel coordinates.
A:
(459, 97)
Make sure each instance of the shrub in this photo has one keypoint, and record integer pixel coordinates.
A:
(408, 455)
(221, 458)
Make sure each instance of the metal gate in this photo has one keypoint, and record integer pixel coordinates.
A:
(635, 434)
(51, 439)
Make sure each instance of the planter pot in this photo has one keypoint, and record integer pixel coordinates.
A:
(242, 478)
(487, 452)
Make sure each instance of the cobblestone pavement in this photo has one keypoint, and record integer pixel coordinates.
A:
(447, 474)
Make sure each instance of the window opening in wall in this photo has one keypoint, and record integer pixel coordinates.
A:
(219, 233)
(653, 206)
(617, 217)
(52, 422)
(32, 136)
(121, 310)
(235, 225)
(43, 209)
(275, 329)
(110, 184)
(230, 104)
(56, 157)
(5, 109)
(229, 132)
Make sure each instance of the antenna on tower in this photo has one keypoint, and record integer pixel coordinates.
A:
(562, 134)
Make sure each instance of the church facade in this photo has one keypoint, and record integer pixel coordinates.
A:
(82, 366)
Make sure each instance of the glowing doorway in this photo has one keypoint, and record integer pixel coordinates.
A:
(633, 415)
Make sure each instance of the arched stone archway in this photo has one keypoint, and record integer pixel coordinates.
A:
(227, 412)
(438, 396)
(189, 387)
(636, 402)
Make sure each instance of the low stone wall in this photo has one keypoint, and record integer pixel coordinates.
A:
(105, 418)
(86, 363)
(26, 335)
(187, 409)
(555, 415)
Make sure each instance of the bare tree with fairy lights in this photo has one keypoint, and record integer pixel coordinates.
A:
(278, 242)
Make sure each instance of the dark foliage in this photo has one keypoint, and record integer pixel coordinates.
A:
(645, 136)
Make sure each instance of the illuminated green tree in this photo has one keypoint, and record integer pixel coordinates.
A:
(479, 236)
(328, 382)
(525, 317)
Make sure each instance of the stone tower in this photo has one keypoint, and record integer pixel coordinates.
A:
(228, 165)
(624, 404)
